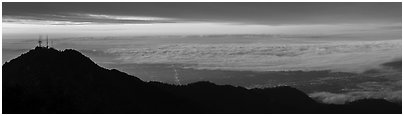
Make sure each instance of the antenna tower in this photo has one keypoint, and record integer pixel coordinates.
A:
(47, 46)
(40, 41)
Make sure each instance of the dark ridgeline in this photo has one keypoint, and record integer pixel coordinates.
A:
(46, 80)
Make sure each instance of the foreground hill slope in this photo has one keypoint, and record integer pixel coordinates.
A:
(46, 80)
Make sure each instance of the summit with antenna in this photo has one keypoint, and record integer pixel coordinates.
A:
(47, 42)
(40, 41)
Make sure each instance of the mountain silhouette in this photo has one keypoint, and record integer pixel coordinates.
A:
(46, 80)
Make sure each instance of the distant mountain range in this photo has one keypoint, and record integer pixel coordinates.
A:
(46, 80)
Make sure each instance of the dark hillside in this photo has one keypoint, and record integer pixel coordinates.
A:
(46, 80)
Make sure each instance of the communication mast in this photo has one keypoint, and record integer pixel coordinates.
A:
(47, 46)
(40, 41)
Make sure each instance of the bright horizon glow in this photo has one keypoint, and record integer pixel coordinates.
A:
(57, 29)
(125, 17)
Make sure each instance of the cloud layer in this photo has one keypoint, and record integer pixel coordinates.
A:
(86, 19)
(338, 56)
(334, 98)
(245, 13)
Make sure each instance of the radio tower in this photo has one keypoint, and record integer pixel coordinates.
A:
(47, 46)
(40, 41)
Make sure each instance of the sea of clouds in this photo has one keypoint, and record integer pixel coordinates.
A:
(351, 56)
(341, 98)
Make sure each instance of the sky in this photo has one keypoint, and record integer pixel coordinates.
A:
(23, 20)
